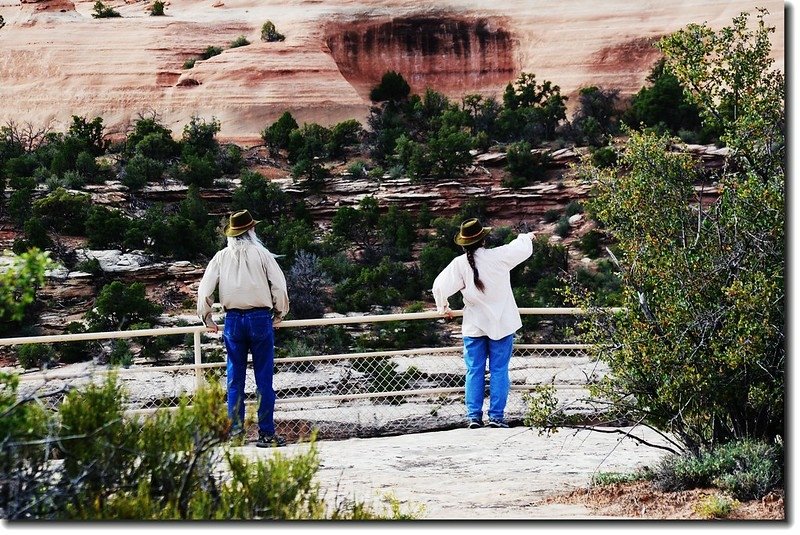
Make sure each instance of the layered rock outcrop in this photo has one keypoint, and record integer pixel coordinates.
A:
(58, 61)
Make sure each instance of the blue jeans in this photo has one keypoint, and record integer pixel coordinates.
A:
(476, 351)
(250, 331)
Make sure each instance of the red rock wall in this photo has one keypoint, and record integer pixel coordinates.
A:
(56, 60)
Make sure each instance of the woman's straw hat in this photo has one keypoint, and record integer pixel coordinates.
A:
(471, 232)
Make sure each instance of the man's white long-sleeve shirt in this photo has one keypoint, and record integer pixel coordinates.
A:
(492, 312)
(247, 278)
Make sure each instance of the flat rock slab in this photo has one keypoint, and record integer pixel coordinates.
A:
(465, 474)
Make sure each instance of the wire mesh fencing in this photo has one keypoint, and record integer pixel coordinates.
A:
(350, 394)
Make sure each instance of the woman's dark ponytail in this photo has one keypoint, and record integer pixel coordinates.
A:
(470, 250)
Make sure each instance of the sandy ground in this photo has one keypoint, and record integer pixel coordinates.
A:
(464, 474)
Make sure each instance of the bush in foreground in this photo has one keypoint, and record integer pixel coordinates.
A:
(172, 465)
(746, 469)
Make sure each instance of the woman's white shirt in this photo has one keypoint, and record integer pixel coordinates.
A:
(492, 312)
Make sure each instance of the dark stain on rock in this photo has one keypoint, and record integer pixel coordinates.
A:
(627, 56)
(452, 53)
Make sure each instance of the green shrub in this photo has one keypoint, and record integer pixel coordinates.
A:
(604, 283)
(382, 376)
(401, 334)
(180, 238)
(306, 283)
(386, 284)
(199, 170)
(263, 198)
(524, 166)
(696, 320)
(514, 182)
(563, 227)
(35, 235)
(397, 232)
(157, 9)
(715, 506)
(531, 111)
(63, 211)
(152, 139)
(118, 305)
(121, 354)
(97, 442)
(19, 282)
(665, 102)
(139, 171)
(432, 260)
(106, 228)
(376, 173)
(20, 201)
(163, 467)
(276, 136)
(36, 355)
(239, 41)
(603, 157)
(210, 52)
(310, 142)
(311, 173)
(229, 159)
(24, 165)
(189, 63)
(574, 207)
(590, 243)
(72, 180)
(53, 182)
(392, 87)
(448, 152)
(101, 11)
(747, 469)
(294, 349)
(71, 352)
(157, 145)
(90, 265)
(551, 216)
(25, 459)
(199, 137)
(542, 410)
(344, 136)
(357, 169)
(595, 118)
(612, 478)
(86, 165)
(269, 33)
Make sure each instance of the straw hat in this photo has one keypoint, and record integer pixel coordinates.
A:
(471, 231)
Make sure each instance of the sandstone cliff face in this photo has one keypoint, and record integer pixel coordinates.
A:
(452, 55)
(58, 61)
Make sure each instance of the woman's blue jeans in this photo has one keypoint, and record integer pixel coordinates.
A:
(477, 350)
(250, 331)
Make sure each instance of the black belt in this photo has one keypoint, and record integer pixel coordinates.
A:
(243, 310)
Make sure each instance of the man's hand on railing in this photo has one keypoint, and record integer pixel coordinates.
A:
(214, 328)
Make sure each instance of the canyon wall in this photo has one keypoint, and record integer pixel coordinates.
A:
(58, 61)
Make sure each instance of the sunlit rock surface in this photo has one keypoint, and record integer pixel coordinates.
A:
(58, 61)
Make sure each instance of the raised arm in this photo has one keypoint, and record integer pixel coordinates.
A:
(518, 250)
